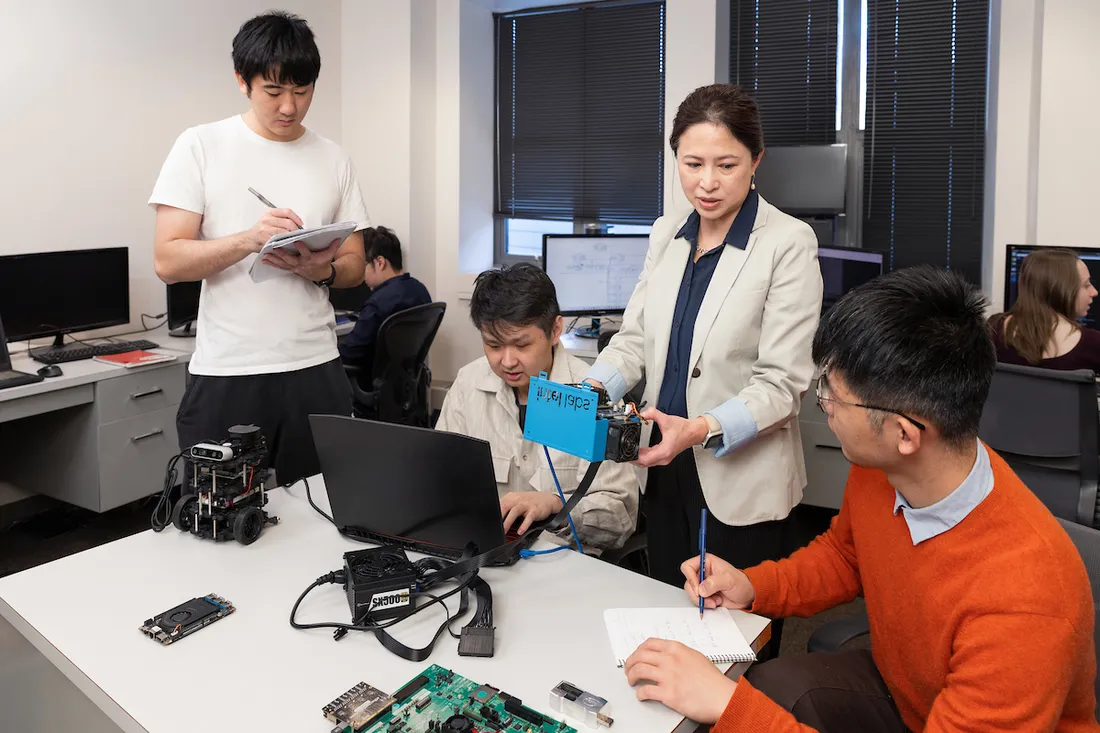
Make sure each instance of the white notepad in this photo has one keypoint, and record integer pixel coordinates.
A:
(716, 636)
(316, 239)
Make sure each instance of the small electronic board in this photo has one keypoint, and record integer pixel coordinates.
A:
(186, 618)
(437, 701)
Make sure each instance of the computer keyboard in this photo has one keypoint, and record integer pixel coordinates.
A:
(77, 353)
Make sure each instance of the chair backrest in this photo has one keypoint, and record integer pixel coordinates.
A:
(1043, 422)
(401, 377)
(1087, 541)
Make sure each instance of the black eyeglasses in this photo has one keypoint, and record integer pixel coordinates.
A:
(823, 396)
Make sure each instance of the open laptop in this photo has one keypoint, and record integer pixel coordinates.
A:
(8, 376)
(424, 490)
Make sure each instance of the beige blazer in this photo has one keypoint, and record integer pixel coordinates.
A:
(481, 405)
(751, 341)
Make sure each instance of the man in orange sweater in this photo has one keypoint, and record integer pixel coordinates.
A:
(980, 610)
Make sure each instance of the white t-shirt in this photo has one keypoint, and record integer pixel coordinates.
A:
(285, 323)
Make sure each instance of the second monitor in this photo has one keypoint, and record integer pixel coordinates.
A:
(593, 274)
(183, 307)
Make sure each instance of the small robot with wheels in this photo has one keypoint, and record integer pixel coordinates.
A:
(226, 496)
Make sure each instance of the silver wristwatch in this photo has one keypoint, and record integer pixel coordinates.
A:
(713, 438)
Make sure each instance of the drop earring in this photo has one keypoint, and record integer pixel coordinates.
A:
(752, 182)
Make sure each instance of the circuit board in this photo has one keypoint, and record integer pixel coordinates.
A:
(440, 701)
(186, 618)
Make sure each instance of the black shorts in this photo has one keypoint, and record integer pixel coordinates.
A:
(280, 404)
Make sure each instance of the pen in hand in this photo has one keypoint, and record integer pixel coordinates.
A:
(702, 557)
(263, 200)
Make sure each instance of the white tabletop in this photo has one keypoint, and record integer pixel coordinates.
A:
(252, 671)
(584, 348)
(87, 371)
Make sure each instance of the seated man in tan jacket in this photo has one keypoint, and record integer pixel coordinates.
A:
(516, 310)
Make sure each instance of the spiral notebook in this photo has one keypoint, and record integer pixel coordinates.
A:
(715, 636)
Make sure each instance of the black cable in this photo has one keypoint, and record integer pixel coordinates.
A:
(317, 508)
(157, 317)
(163, 505)
(337, 576)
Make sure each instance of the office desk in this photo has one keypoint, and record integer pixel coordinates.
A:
(98, 436)
(251, 671)
(581, 348)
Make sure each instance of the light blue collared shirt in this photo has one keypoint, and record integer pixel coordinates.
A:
(927, 522)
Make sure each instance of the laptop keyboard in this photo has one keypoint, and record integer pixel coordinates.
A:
(447, 553)
(423, 548)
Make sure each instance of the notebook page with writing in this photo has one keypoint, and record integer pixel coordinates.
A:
(715, 636)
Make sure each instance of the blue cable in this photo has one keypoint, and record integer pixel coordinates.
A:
(561, 496)
(533, 553)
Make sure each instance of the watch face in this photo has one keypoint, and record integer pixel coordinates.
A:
(713, 441)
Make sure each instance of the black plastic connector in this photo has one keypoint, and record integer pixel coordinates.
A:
(476, 642)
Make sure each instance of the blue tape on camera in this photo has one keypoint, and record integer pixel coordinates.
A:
(564, 417)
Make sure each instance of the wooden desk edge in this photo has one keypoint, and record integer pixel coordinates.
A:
(91, 690)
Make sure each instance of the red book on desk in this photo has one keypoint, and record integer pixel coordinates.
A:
(134, 358)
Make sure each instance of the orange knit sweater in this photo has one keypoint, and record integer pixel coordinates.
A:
(986, 627)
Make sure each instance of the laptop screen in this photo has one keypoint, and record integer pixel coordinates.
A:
(410, 483)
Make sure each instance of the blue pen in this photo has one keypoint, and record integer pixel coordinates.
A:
(702, 557)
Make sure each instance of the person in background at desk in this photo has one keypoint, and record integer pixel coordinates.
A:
(720, 323)
(516, 310)
(980, 610)
(1041, 328)
(265, 352)
(392, 291)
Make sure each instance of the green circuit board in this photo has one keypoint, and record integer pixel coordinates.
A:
(430, 701)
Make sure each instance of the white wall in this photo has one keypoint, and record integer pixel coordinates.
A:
(1043, 112)
(1069, 109)
(376, 94)
(691, 51)
(94, 95)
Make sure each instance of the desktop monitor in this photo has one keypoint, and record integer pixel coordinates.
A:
(845, 268)
(1015, 254)
(804, 180)
(54, 293)
(183, 307)
(593, 274)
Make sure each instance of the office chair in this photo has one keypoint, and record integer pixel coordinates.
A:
(1087, 541)
(634, 554)
(1044, 423)
(400, 389)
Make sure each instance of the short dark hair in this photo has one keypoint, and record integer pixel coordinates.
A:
(916, 341)
(721, 104)
(279, 47)
(382, 242)
(518, 296)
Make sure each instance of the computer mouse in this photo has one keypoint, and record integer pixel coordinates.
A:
(50, 370)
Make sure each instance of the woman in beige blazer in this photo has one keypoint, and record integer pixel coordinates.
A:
(720, 324)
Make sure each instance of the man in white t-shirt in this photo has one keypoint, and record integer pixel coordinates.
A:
(265, 353)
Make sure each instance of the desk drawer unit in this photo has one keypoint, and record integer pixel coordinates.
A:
(144, 391)
(103, 452)
(133, 454)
